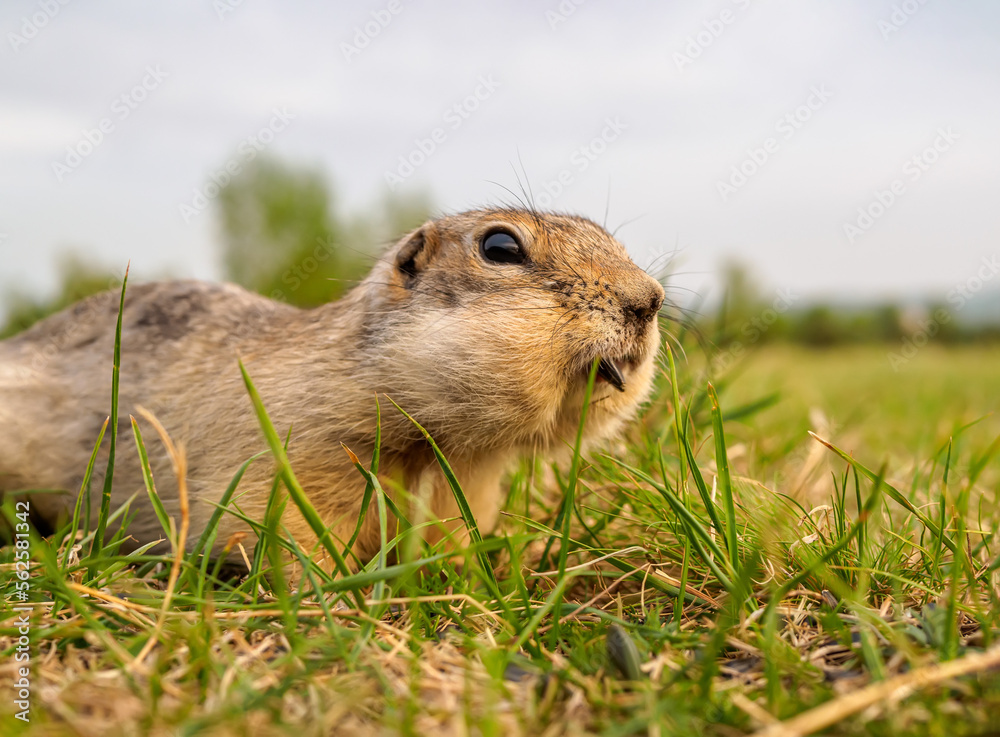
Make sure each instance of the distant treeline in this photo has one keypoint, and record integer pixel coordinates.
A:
(823, 325)
(746, 318)
(284, 236)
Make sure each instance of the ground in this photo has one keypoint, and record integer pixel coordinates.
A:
(813, 575)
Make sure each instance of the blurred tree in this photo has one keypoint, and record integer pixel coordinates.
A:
(741, 301)
(278, 235)
(948, 328)
(887, 324)
(818, 326)
(282, 236)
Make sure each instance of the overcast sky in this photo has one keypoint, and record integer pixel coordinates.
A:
(649, 109)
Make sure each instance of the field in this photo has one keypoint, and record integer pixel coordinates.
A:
(716, 571)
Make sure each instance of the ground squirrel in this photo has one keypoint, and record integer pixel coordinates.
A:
(482, 325)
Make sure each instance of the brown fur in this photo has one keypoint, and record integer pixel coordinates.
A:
(491, 358)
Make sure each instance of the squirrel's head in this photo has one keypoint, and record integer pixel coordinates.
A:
(485, 325)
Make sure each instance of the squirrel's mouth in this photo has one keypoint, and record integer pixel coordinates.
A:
(613, 370)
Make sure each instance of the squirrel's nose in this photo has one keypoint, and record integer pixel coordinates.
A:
(642, 303)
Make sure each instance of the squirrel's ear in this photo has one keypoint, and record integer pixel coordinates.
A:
(416, 251)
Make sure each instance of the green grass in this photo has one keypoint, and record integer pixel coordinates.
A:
(713, 570)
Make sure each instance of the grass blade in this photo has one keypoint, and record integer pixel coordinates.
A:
(102, 520)
(891, 492)
(295, 489)
(147, 477)
(725, 481)
(463, 505)
(84, 494)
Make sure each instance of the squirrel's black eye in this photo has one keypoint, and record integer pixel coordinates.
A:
(501, 247)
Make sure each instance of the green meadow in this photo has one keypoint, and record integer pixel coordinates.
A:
(802, 543)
